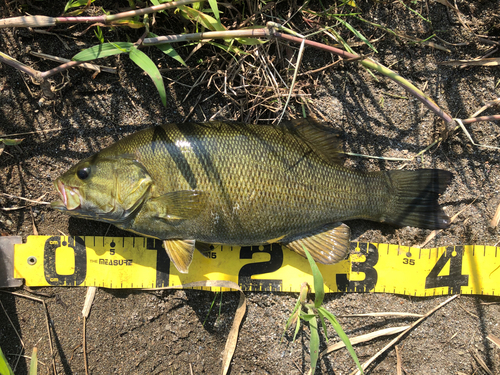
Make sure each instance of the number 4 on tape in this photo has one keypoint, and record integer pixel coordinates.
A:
(136, 262)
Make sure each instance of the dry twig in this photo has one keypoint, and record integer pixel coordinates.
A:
(413, 325)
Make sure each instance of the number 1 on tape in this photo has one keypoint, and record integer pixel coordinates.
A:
(136, 262)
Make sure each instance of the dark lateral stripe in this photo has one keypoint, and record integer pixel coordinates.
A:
(161, 139)
(202, 154)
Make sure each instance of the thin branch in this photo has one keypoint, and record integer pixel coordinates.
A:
(44, 21)
(395, 340)
(268, 32)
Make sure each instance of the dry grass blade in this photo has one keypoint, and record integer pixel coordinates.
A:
(33, 132)
(486, 106)
(46, 321)
(364, 338)
(26, 199)
(446, 3)
(399, 370)
(18, 336)
(89, 299)
(461, 125)
(491, 61)
(479, 360)
(296, 70)
(232, 338)
(413, 325)
(381, 314)
(496, 218)
(12, 324)
(98, 68)
(35, 231)
(85, 360)
(495, 340)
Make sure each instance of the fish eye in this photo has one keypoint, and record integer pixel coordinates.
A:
(83, 173)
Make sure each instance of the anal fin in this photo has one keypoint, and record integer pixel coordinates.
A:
(180, 253)
(326, 247)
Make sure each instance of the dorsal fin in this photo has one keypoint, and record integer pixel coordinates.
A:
(323, 141)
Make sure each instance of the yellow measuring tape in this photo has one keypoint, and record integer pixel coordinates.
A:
(137, 262)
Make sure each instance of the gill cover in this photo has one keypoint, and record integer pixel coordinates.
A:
(108, 188)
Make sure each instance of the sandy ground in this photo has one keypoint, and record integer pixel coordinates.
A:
(172, 332)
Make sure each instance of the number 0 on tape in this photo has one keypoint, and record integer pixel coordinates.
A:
(136, 262)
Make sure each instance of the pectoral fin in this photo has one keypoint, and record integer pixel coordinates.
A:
(178, 205)
(325, 247)
(180, 253)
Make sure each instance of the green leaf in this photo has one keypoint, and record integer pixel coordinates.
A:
(338, 328)
(168, 50)
(215, 9)
(75, 4)
(11, 142)
(356, 32)
(314, 344)
(318, 280)
(98, 34)
(204, 19)
(133, 24)
(322, 320)
(251, 41)
(146, 64)
(4, 365)
(294, 312)
(34, 362)
(229, 49)
(103, 50)
(308, 317)
(297, 327)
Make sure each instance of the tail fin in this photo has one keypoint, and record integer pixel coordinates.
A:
(415, 199)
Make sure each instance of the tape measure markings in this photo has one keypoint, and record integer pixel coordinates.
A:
(129, 262)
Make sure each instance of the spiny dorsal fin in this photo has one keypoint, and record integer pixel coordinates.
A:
(323, 141)
(327, 247)
(180, 253)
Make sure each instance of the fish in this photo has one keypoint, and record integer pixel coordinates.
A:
(196, 184)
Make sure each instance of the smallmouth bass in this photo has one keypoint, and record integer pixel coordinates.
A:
(195, 184)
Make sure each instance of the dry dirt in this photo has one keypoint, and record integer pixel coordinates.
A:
(132, 332)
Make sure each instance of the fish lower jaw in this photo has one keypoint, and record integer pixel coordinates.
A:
(71, 199)
(58, 205)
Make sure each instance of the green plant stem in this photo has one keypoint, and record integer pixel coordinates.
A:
(44, 21)
(230, 34)
(253, 33)
(369, 63)
(269, 33)
(481, 118)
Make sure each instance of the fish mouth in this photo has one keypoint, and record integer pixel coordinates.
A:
(71, 198)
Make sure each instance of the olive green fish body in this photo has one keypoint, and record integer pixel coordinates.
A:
(259, 183)
(244, 185)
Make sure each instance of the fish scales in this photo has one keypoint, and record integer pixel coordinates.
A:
(244, 185)
(253, 175)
